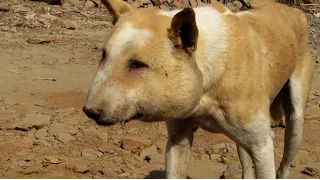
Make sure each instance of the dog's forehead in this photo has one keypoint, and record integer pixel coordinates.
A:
(125, 35)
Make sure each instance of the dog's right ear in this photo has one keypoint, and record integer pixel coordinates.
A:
(117, 8)
(184, 31)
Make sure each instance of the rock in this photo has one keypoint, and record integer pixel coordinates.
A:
(81, 168)
(103, 136)
(42, 143)
(161, 146)
(231, 148)
(148, 151)
(176, 4)
(20, 9)
(232, 7)
(215, 157)
(36, 121)
(219, 148)
(61, 127)
(185, 3)
(4, 7)
(157, 2)
(136, 5)
(204, 156)
(317, 15)
(72, 25)
(91, 153)
(157, 158)
(232, 172)
(108, 173)
(313, 170)
(164, 7)
(132, 144)
(89, 4)
(107, 147)
(206, 170)
(41, 133)
(193, 3)
(48, 17)
(238, 4)
(31, 134)
(64, 137)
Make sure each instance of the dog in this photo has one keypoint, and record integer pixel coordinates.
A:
(207, 68)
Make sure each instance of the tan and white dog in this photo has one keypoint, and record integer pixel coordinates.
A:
(207, 67)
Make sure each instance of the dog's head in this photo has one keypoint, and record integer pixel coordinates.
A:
(147, 69)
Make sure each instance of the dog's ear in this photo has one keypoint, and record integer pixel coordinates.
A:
(117, 8)
(184, 31)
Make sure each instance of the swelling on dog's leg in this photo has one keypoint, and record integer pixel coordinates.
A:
(246, 163)
(180, 137)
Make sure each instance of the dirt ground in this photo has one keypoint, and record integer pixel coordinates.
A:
(44, 134)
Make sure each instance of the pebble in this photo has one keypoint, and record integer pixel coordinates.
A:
(33, 121)
(91, 153)
(313, 170)
(148, 151)
(232, 172)
(20, 9)
(81, 168)
(4, 7)
(41, 133)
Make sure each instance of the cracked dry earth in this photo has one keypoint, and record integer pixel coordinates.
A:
(44, 134)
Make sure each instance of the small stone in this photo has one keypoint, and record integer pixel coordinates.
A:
(232, 172)
(164, 7)
(109, 173)
(193, 3)
(31, 134)
(185, 3)
(72, 25)
(238, 4)
(41, 133)
(91, 153)
(107, 147)
(215, 157)
(4, 7)
(313, 170)
(148, 151)
(132, 144)
(48, 17)
(161, 146)
(64, 137)
(42, 143)
(81, 168)
(89, 4)
(157, 2)
(206, 170)
(36, 121)
(219, 148)
(20, 9)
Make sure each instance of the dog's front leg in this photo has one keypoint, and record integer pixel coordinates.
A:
(246, 163)
(180, 137)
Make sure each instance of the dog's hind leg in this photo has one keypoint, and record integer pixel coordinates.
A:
(246, 163)
(180, 137)
(294, 98)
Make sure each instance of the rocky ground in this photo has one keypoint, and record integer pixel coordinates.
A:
(48, 56)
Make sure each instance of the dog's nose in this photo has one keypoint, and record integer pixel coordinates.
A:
(92, 113)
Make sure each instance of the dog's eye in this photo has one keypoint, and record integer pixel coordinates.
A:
(136, 64)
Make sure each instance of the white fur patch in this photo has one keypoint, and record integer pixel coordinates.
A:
(127, 36)
(211, 42)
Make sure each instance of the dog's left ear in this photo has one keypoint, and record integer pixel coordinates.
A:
(184, 31)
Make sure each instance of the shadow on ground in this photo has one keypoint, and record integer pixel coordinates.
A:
(156, 174)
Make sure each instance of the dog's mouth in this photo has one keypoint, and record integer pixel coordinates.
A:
(136, 116)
